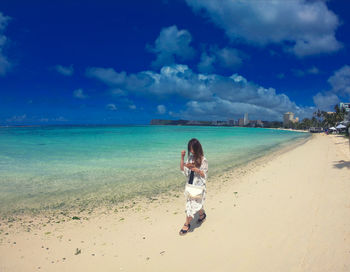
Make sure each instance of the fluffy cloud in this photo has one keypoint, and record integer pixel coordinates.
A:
(226, 57)
(171, 45)
(106, 75)
(111, 107)
(64, 70)
(326, 101)
(79, 93)
(161, 109)
(303, 27)
(340, 81)
(208, 96)
(5, 65)
(340, 89)
(206, 64)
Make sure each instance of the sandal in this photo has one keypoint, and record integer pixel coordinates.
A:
(201, 220)
(183, 232)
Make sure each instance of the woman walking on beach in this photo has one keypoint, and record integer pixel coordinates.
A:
(196, 170)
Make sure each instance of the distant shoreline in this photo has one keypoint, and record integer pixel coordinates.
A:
(218, 123)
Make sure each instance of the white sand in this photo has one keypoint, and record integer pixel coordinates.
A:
(291, 213)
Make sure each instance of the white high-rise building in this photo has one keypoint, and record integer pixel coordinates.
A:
(288, 118)
(245, 119)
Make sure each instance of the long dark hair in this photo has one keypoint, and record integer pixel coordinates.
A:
(197, 149)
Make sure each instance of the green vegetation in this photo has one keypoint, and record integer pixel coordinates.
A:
(321, 119)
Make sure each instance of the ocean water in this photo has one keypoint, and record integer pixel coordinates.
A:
(65, 167)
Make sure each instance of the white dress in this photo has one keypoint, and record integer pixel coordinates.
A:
(194, 205)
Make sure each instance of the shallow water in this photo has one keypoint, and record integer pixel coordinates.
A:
(69, 166)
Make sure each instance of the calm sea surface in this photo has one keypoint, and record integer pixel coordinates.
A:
(64, 167)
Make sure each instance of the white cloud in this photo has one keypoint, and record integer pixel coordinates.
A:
(117, 92)
(64, 70)
(171, 45)
(60, 119)
(311, 71)
(326, 101)
(302, 27)
(225, 57)
(161, 109)
(111, 107)
(229, 57)
(340, 89)
(340, 81)
(106, 75)
(79, 93)
(16, 118)
(55, 119)
(206, 64)
(211, 90)
(221, 109)
(132, 107)
(24, 119)
(5, 64)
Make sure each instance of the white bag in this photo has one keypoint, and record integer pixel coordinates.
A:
(194, 191)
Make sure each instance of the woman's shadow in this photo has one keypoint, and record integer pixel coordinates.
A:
(194, 223)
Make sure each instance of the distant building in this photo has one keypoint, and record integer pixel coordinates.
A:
(219, 123)
(346, 106)
(241, 122)
(252, 123)
(288, 118)
(231, 122)
(245, 119)
(193, 123)
(222, 123)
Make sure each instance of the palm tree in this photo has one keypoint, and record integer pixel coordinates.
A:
(339, 113)
(328, 119)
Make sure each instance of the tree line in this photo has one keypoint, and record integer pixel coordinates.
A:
(321, 119)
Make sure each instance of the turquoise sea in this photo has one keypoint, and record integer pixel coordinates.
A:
(65, 167)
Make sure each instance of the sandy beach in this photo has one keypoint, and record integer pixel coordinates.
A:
(286, 212)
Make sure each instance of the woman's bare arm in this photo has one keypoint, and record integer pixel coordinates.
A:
(183, 153)
(200, 172)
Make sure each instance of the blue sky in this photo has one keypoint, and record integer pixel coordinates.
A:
(127, 62)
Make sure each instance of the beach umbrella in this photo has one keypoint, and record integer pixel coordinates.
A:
(340, 126)
(332, 128)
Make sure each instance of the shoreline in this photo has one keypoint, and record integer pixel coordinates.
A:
(92, 189)
(45, 216)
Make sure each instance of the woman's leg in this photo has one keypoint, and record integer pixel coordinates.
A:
(188, 221)
(202, 216)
